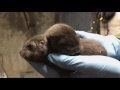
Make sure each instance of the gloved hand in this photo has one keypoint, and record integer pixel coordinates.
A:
(110, 43)
(86, 66)
(95, 66)
(46, 71)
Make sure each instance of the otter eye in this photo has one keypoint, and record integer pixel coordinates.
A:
(30, 47)
(42, 42)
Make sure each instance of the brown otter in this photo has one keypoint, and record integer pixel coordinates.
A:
(59, 38)
(62, 38)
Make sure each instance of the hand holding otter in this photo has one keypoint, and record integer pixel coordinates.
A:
(94, 66)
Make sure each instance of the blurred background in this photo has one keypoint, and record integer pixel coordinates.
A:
(16, 27)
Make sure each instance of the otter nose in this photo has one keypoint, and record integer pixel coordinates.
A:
(20, 52)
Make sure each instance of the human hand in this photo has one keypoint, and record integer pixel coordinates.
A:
(45, 70)
(110, 43)
(85, 66)
(95, 66)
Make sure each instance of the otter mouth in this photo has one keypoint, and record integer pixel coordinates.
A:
(23, 54)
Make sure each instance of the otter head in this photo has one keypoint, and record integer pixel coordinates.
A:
(35, 48)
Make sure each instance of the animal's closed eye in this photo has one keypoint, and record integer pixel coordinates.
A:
(42, 43)
(30, 47)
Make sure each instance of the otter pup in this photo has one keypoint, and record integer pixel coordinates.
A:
(59, 38)
(62, 38)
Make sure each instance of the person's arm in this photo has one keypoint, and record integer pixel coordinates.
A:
(95, 66)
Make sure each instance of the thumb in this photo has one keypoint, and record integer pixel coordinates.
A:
(81, 34)
(92, 36)
(61, 60)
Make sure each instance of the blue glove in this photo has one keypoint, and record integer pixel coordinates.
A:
(95, 66)
(46, 71)
(110, 43)
(85, 66)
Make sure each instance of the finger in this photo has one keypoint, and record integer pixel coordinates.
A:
(92, 36)
(116, 45)
(81, 63)
(100, 67)
(61, 60)
(106, 41)
(45, 70)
